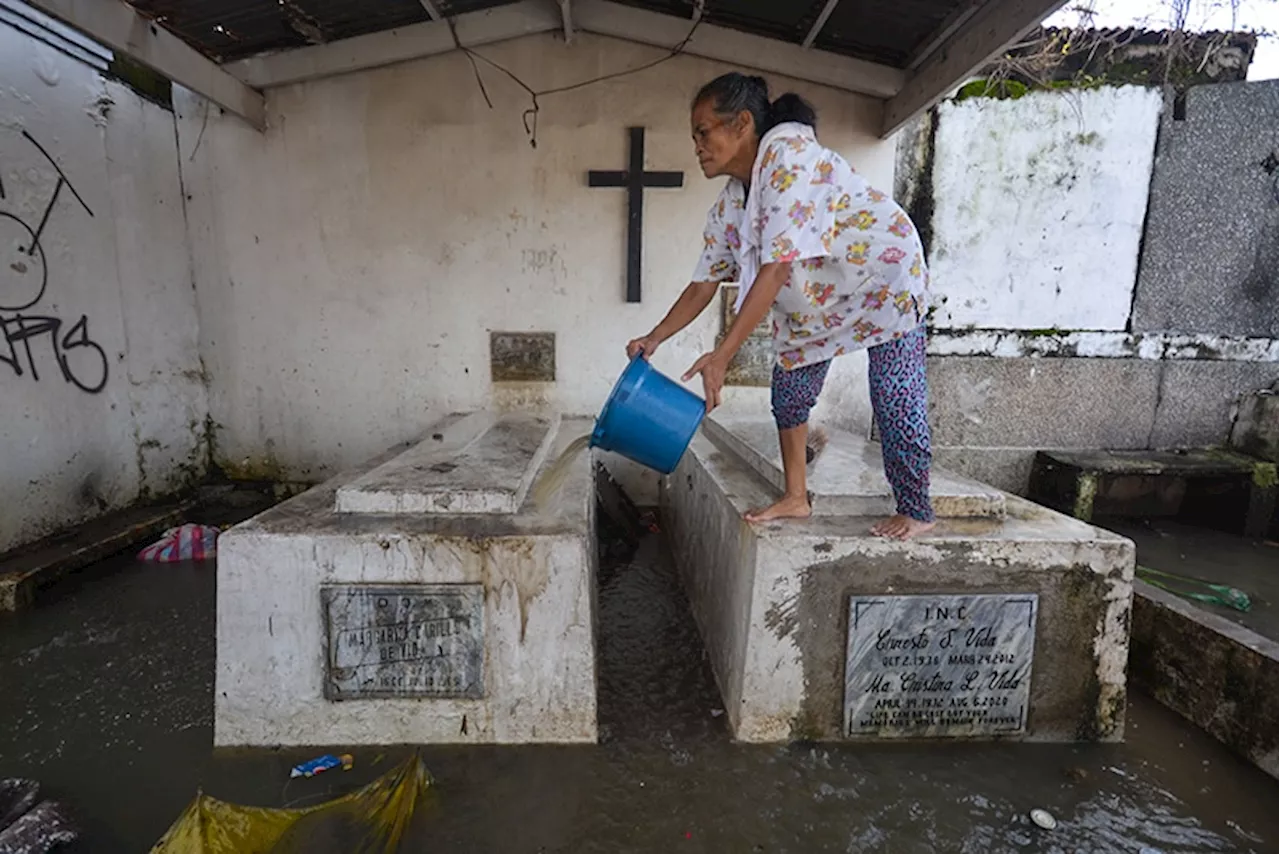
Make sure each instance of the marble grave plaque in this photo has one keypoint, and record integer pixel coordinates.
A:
(939, 666)
(418, 640)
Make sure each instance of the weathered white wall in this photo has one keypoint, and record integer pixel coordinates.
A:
(1035, 210)
(351, 261)
(124, 416)
(1038, 208)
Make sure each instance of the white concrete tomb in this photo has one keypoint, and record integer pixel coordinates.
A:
(1006, 621)
(421, 599)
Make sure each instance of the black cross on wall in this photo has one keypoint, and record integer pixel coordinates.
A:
(635, 179)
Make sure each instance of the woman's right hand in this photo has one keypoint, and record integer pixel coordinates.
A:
(647, 344)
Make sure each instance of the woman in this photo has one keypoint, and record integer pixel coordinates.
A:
(840, 265)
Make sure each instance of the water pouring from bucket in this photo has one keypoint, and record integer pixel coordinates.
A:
(648, 418)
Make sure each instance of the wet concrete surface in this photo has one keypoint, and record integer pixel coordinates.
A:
(108, 701)
(1221, 558)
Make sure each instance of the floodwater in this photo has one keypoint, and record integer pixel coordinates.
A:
(108, 701)
(1215, 556)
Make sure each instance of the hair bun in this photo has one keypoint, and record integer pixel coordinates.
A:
(790, 107)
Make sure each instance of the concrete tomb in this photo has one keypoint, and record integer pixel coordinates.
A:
(1006, 621)
(420, 599)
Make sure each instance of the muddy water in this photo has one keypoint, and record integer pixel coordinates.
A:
(553, 477)
(108, 700)
(1194, 552)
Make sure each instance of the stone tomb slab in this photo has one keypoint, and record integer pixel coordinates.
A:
(775, 604)
(470, 464)
(934, 666)
(848, 479)
(413, 628)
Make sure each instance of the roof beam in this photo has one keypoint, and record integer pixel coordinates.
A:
(820, 23)
(119, 26)
(57, 35)
(987, 32)
(391, 46)
(567, 18)
(949, 25)
(589, 16)
(743, 49)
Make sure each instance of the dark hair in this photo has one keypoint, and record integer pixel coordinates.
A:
(732, 93)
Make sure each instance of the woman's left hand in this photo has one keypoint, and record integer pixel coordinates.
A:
(712, 366)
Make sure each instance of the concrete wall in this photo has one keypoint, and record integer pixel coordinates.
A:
(1217, 158)
(103, 399)
(1038, 208)
(1082, 302)
(351, 262)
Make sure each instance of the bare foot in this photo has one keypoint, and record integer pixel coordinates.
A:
(788, 507)
(901, 527)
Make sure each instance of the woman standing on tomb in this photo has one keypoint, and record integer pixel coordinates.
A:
(842, 268)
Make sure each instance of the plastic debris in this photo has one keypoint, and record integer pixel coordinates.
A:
(1218, 594)
(323, 763)
(380, 812)
(186, 542)
(1043, 820)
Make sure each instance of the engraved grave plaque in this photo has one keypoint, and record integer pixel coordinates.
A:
(420, 640)
(939, 666)
(522, 356)
(752, 365)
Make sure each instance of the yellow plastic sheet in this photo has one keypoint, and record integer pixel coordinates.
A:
(372, 820)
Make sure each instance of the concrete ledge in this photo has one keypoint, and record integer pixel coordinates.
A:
(1216, 674)
(772, 601)
(1089, 483)
(25, 571)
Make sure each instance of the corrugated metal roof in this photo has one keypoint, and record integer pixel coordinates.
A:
(884, 32)
(230, 29)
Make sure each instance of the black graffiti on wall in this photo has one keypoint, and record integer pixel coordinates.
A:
(29, 334)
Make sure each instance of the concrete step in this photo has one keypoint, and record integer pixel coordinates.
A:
(23, 572)
(848, 478)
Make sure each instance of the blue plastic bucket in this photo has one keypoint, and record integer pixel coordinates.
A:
(648, 418)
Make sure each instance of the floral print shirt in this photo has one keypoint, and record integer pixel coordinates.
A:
(858, 275)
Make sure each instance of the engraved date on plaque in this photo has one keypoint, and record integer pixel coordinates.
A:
(939, 666)
(421, 640)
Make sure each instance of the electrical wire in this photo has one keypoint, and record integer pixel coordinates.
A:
(530, 116)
